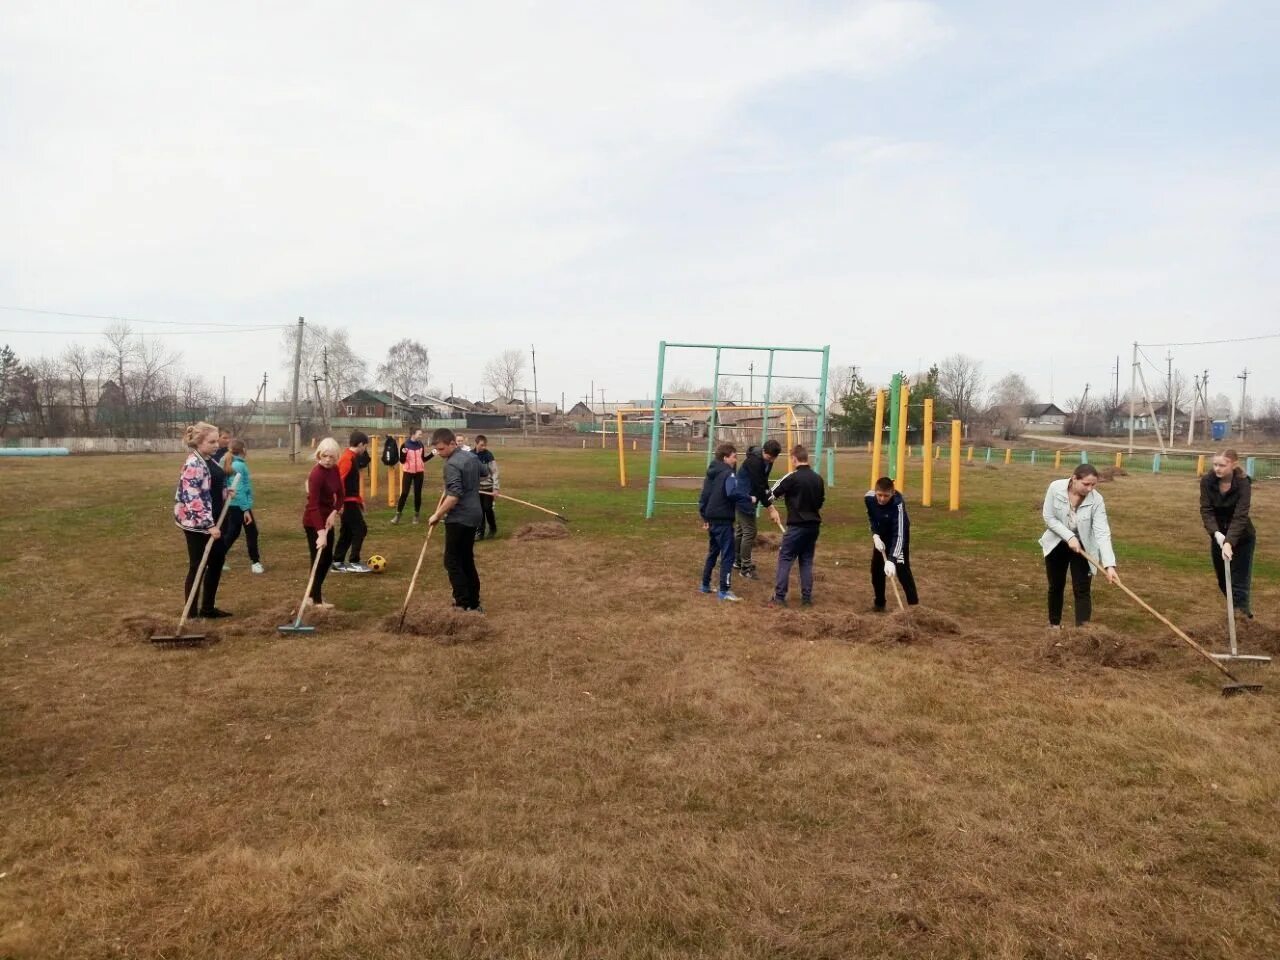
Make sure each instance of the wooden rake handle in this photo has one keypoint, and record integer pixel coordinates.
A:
(208, 549)
(894, 582)
(413, 582)
(1165, 620)
(526, 503)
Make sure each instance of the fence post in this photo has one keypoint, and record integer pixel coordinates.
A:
(988, 454)
(1250, 465)
(1008, 455)
(926, 481)
(955, 464)
(831, 467)
(970, 456)
(1084, 456)
(1119, 458)
(1155, 463)
(1057, 460)
(1200, 465)
(1033, 456)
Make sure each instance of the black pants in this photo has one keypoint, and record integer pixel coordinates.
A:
(408, 480)
(460, 564)
(1241, 571)
(196, 542)
(1061, 558)
(236, 524)
(326, 558)
(905, 576)
(352, 533)
(486, 504)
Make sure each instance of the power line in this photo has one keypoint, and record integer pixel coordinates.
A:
(1207, 343)
(169, 323)
(157, 333)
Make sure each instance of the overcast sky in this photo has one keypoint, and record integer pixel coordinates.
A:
(1035, 184)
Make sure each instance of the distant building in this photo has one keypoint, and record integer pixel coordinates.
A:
(374, 404)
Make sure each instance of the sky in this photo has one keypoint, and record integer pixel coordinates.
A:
(1035, 185)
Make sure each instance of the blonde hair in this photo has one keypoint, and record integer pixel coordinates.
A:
(235, 448)
(328, 445)
(197, 432)
(1230, 454)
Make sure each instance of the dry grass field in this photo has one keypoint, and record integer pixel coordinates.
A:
(610, 765)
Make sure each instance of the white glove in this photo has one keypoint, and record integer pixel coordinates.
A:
(890, 570)
(879, 544)
(1220, 537)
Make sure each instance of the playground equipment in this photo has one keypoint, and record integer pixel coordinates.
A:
(660, 408)
(34, 452)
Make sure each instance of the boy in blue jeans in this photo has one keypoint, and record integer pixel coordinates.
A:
(717, 506)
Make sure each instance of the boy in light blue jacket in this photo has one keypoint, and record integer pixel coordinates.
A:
(240, 512)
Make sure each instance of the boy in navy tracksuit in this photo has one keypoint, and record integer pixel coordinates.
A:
(891, 540)
(722, 493)
(804, 493)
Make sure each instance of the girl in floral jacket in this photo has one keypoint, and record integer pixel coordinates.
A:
(193, 512)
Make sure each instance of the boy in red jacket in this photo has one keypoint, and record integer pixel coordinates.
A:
(354, 459)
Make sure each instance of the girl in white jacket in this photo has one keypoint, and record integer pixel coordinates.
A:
(1076, 522)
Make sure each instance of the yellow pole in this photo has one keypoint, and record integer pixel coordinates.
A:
(790, 437)
(926, 482)
(970, 455)
(1200, 465)
(1008, 454)
(622, 459)
(877, 437)
(1057, 460)
(955, 464)
(1119, 458)
(868, 446)
(900, 481)
(937, 453)
(373, 476)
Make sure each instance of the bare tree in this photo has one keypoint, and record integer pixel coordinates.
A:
(11, 374)
(1220, 407)
(731, 390)
(682, 388)
(504, 372)
(960, 384)
(327, 356)
(790, 394)
(81, 366)
(406, 369)
(1009, 397)
(116, 357)
(842, 381)
(45, 396)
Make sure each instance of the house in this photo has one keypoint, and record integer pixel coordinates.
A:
(428, 407)
(1142, 418)
(580, 412)
(375, 405)
(1042, 415)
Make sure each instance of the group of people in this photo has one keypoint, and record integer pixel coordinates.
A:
(1076, 540)
(333, 499)
(733, 494)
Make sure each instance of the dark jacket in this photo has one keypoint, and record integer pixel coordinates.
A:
(462, 473)
(217, 484)
(804, 492)
(721, 494)
(753, 474)
(1228, 512)
(891, 523)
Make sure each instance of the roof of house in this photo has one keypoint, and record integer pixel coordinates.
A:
(1043, 410)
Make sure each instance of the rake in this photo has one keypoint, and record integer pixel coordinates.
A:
(180, 639)
(413, 581)
(298, 626)
(902, 607)
(502, 496)
(1229, 690)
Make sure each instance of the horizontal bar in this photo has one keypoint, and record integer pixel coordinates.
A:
(763, 376)
(730, 346)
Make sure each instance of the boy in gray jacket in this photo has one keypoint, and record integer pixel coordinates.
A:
(460, 510)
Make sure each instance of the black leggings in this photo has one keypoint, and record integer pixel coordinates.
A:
(406, 481)
(196, 542)
(1059, 560)
(326, 558)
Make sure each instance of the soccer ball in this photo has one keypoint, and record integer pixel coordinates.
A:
(377, 563)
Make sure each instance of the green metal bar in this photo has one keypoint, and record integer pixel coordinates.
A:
(711, 421)
(831, 468)
(895, 390)
(781, 376)
(730, 346)
(655, 438)
(822, 404)
(768, 392)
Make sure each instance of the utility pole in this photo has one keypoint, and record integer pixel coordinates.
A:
(751, 382)
(524, 420)
(1133, 391)
(324, 413)
(537, 420)
(1084, 411)
(1195, 398)
(1170, 404)
(591, 405)
(1115, 397)
(1243, 377)
(295, 425)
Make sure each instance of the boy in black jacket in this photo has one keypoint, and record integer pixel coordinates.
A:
(717, 505)
(891, 541)
(754, 475)
(804, 492)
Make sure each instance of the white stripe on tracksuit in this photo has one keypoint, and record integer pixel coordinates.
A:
(897, 547)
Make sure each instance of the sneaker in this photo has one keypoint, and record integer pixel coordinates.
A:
(358, 568)
(878, 608)
(705, 588)
(214, 614)
(258, 567)
(415, 518)
(775, 602)
(338, 568)
(730, 596)
(750, 574)
(395, 520)
(479, 535)
(806, 601)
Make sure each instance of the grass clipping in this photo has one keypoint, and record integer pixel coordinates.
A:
(447, 626)
(541, 531)
(1100, 645)
(141, 627)
(918, 625)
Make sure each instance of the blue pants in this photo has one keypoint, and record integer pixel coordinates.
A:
(797, 544)
(719, 544)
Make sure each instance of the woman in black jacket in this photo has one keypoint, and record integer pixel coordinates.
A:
(1224, 507)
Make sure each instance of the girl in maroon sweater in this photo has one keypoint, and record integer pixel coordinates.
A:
(324, 506)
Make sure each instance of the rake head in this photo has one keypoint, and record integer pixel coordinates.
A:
(181, 640)
(1231, 689)
(296, 628)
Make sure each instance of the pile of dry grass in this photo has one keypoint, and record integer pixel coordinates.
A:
(768, 541)
(447, 626)
(918, 625)
(1106, 474)
(1101, 645)
(141, 627)
(1251, 636)
(541, 531)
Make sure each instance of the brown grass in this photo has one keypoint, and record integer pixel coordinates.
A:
(626, 768)
(541, 531)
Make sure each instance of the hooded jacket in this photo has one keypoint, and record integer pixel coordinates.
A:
(753, 474)
(722, 494)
